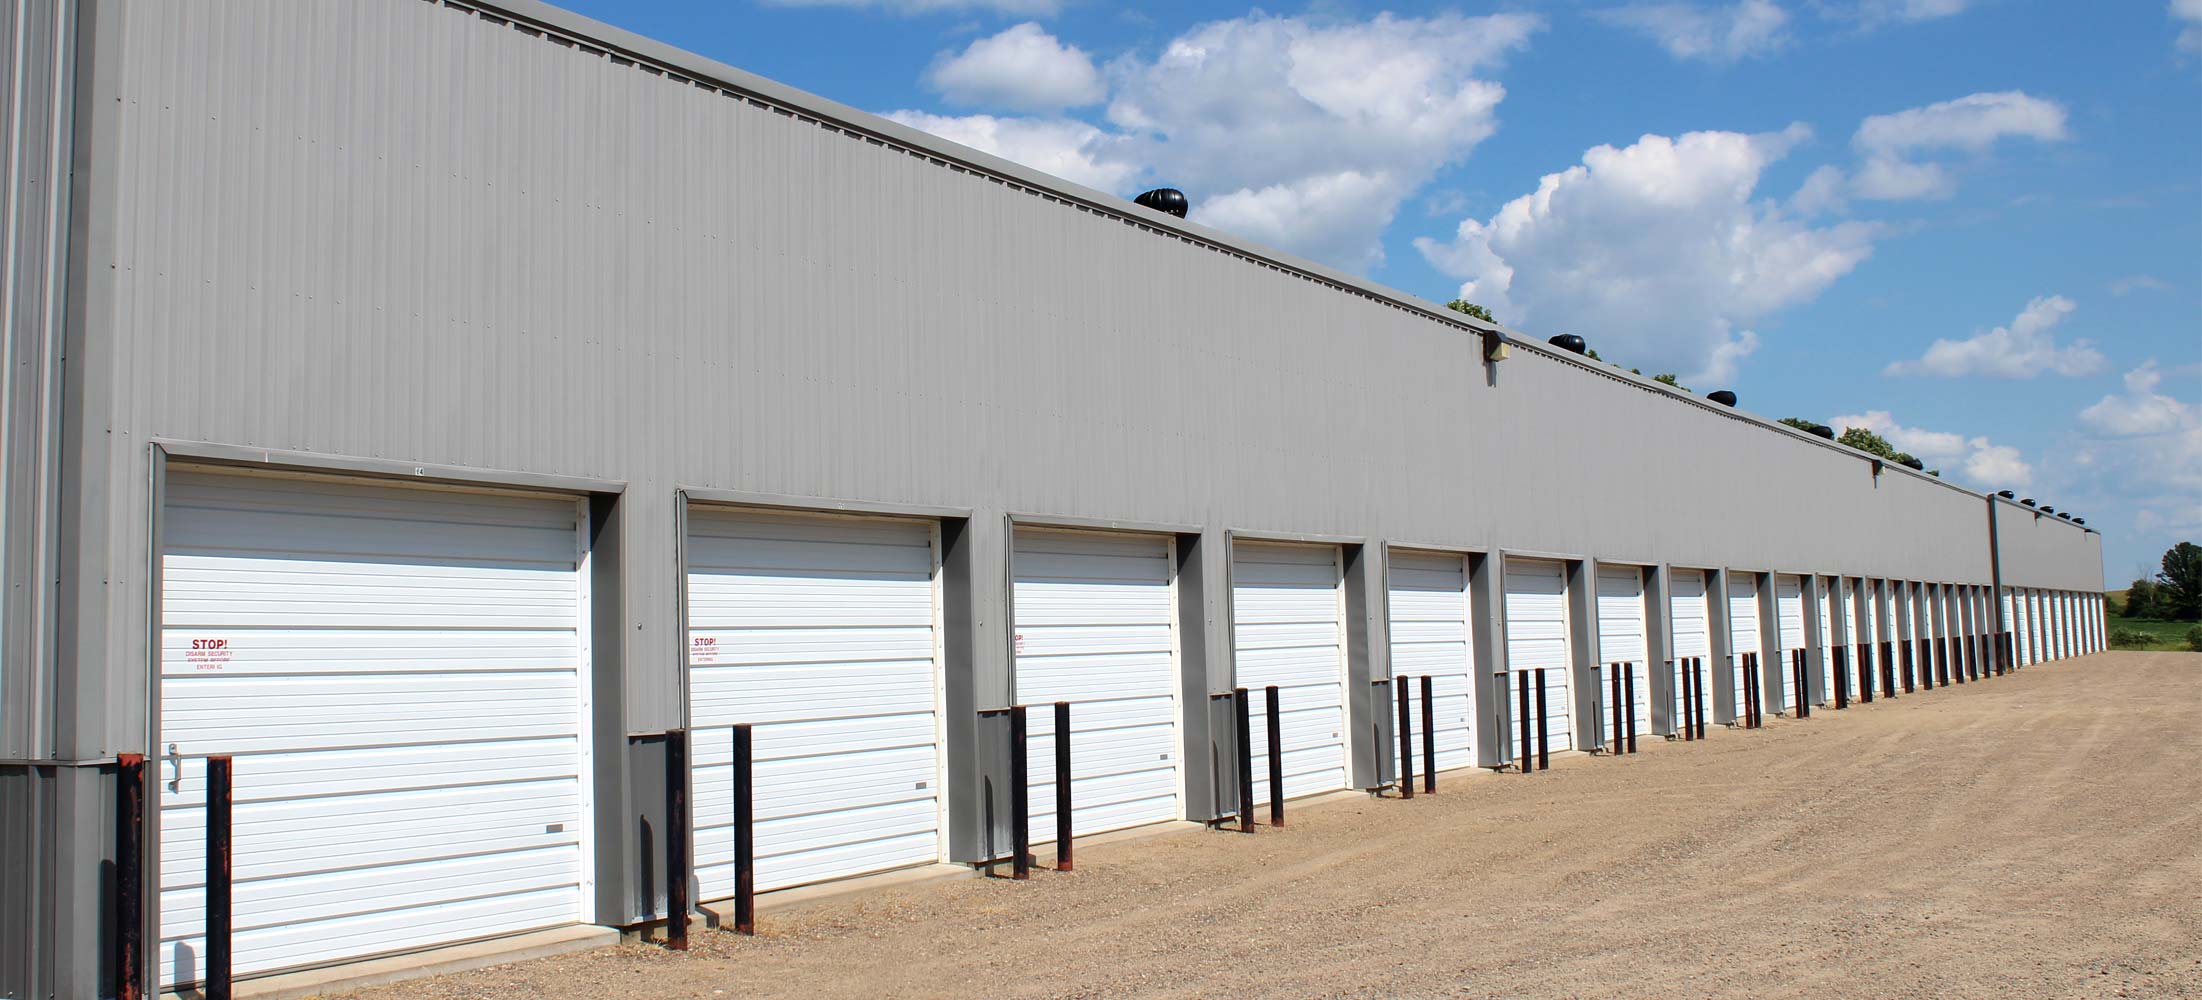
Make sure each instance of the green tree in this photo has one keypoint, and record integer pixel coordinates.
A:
(1472, 309)
(2142, 600)
(1669, 379)
(1799, 423)
(1874, 444)
(2181, 582)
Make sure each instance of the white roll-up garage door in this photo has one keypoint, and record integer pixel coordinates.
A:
(2010, 627)
(1864, 607)
(1692, 631)
(1536, 637)
(1833, 631)
(2022, 639)
(1094, 628)
(1789, 616)
(820, 632)
(1743, 627)
(2064, 624)
(1286, 614)
(1428, 601)
(1621, 638)
(398, 675)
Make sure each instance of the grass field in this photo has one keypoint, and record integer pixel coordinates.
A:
(2163, 635)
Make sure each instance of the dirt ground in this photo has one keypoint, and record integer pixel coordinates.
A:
(2037, 835)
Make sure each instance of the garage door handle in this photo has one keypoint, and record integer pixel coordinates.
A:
(175, 783)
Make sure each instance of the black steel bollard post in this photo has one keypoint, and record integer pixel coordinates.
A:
(1276, 758)
(1020, 795)
(129, 875)
(1244, 710)
(1527, 761)
(1406, 737)
(1841, 671)
(1063, 809)
(1544, 745)
(1689, 700)
(219, 798)
(1614, 681)
(1429, 735)
(745, 829)
(1628, 691)
(676, 839)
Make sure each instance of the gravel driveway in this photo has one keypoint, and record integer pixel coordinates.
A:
(2037, 835)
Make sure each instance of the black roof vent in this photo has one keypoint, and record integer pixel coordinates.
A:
(1913, 464)
(1569, 342)
(2029, 501)
(1168, 201)
(2046, 509)
(2079, 520)
(2065, 516)
(1722, 396)
(2006, 494)
(1823, 430)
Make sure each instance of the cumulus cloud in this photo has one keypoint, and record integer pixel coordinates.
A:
(1023, 69)
(1300, 132)
(1981, 463)
(1072, 150)
(2140, 409)
(2143, 447)
(2024, 349)
(1029, 8)
(1660, 249)
(1890, 146)
(1708, 33)
(2189, 15)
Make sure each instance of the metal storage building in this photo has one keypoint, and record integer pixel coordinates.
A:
(459, 395)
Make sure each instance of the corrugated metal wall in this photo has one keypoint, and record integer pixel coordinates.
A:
(35, 47)
(401, 230)
(2044, 551)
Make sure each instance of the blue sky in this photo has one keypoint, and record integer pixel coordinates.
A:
(1974, 226)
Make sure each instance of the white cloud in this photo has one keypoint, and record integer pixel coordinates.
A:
(2190, 33)
(1072, 150)
(1303, 133)
(1890, 144)
(1658, 253)
(1982, 463)
(2140, 410)
(1310, 133)
(1873, 13)
(2148, 282)
(1029, 8)
(2024, 349)
(1023, 68)
(1710, 34)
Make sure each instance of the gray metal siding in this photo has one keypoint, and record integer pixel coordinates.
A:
(2043, 551)
(37, 44)
(396, 230)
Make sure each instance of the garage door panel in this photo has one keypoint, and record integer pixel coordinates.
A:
(269, 540)
(284, 946)
(1153, 641)
(212, 714)
(398, 671)
(734, 645)
(306, 652)
(792, 863)
(260, 904)
(309, 836)
(348, 771)
(783, 695)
